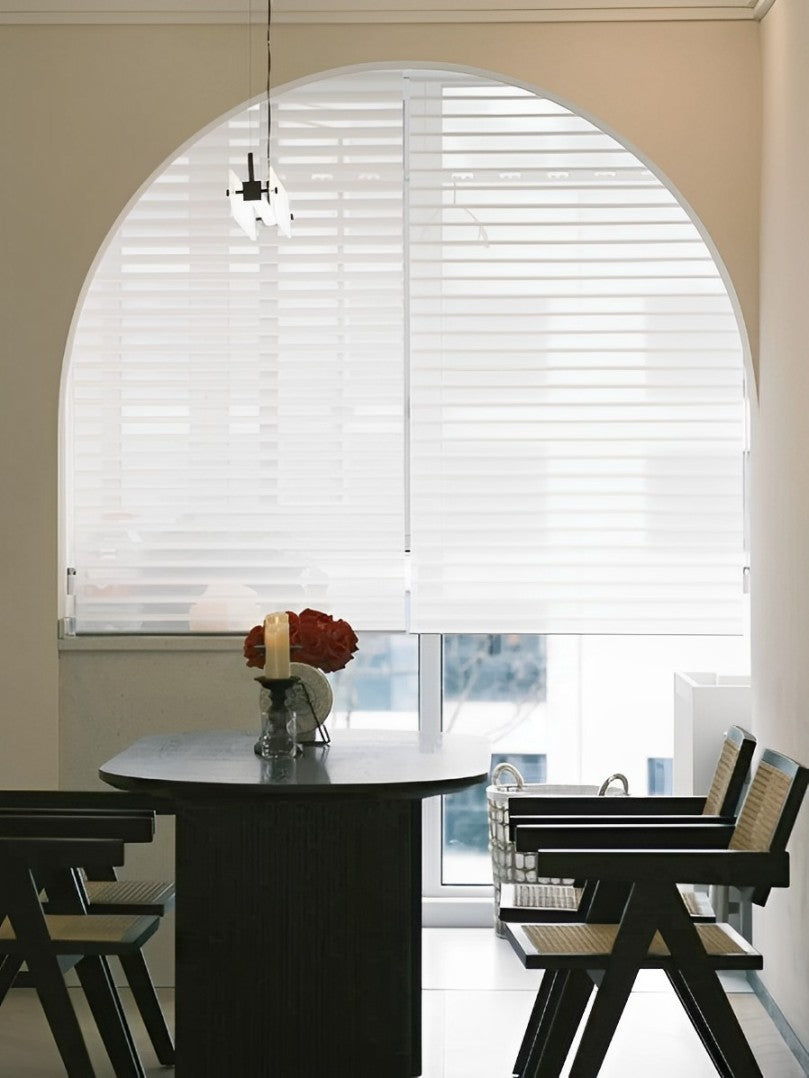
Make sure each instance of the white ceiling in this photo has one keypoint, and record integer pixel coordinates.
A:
(166, 11)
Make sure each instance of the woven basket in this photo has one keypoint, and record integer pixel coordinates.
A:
(508, 865)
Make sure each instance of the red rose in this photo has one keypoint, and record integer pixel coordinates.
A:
(315, 638)
(254, 646)
(319, 640)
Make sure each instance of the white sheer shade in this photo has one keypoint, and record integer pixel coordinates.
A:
(236, 408)
(495, 354)
(577, 397)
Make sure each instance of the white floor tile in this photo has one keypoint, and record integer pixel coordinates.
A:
(472, 958)
(476, 1003)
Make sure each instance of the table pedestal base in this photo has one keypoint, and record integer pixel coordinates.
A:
(298, 938)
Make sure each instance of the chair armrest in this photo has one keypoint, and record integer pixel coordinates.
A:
(49, 853)
(128, 827)
(611, 821)
(592, 805)
(82, 801)
(623, 836)
(59, 810)
(733, 867)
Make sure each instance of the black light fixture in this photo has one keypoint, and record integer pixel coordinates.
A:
(253, 200)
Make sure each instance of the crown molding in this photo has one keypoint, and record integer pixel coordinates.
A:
(37, 12)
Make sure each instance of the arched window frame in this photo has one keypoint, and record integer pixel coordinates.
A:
(173, 188)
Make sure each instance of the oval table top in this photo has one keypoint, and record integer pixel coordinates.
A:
(357, 763)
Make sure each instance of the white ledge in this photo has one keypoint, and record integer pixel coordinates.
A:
(375, 11)
(136, 642)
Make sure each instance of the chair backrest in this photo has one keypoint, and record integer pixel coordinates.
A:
(770, 809)
(731, 772)
(55, 843)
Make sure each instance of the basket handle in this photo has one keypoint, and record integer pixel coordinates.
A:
(617, 777)
(500, 769)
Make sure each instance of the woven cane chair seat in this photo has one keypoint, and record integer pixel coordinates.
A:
(595, 941)
(99, 934)
(130, 896)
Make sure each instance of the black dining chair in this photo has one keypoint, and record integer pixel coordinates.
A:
(102, 893)
(635, 919)
(39, 853)
(563, 901)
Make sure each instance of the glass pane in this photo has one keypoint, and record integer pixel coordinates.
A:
(660, 775)
(495, 685)
(379, 689)
(566, 709)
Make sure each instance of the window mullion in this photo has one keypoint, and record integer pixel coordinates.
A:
(406, 304)
(430, 680)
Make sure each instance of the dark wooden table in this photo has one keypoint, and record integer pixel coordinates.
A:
(299, 897)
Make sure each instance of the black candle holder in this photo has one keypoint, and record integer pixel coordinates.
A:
(278, 738)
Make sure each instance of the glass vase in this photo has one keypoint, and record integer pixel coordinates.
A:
(278, 738)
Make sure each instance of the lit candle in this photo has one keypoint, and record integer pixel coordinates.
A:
(276, 645)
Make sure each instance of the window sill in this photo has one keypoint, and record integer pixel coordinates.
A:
(135, 642)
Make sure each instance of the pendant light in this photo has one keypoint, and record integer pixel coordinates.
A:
(253, 200)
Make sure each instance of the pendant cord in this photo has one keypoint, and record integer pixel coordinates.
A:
(269, 106)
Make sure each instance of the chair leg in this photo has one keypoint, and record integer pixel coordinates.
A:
(9, 968)
(534, 1023)
(608, 1006)
(53, 996)
(25, 914)
(96, 980)
(556, 1015)
(551, 1049)
(631, 946)
(680, 986)
(710, 1011)
(137, 974)
(720, 1019)
(564, 994)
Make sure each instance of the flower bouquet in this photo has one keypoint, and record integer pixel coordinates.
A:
(315, 638)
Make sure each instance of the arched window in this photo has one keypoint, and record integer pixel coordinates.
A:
(493, 383)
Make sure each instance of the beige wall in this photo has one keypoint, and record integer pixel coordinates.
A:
(780, 568)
